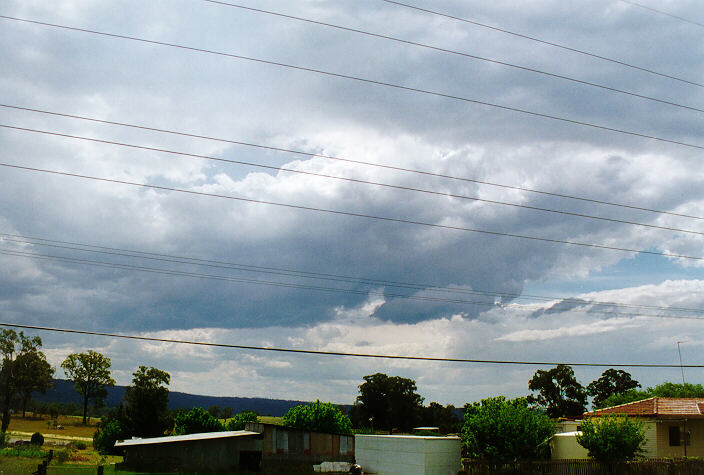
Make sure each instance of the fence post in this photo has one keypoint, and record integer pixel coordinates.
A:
(101, 468)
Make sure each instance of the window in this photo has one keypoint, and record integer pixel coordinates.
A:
(674, 436)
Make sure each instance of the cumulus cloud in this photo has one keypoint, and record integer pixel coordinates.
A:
(294, 276)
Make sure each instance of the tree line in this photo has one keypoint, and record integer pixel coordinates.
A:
(494, 428)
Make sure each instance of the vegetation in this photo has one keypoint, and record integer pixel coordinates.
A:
(446, 418)
(148, 402)
(661, 390)
(611, 439)
(612, 382)
(320, 417)
(559, 392)
(387, 402)
(24, 368)
(195, 421)
(37, 439)
(499, 429)
(90, 373)
(240, 420)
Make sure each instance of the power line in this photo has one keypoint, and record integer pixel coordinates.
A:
(340, 353)
(639, 5)
(358, 162)
(549, 43)
(353, 180)
(458, 53)
(314, 275)
(373, 82)
(240, 280)
(353, 214)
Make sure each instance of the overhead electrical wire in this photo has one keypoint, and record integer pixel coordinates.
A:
(370, 81)
(352, 214)
(347, 160)
(366, 292)
(341, 353)
(458, 53)
(353, 180)
(538, 40)
(219, 264)
(660, 12)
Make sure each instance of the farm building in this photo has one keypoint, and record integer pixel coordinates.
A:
(261, 447)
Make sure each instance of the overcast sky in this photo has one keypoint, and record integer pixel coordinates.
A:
(367, 258)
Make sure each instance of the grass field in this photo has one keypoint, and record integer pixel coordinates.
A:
(72, 426)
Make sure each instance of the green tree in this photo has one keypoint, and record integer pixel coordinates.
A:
(499, 429)
(196, 421)
(148, 402)
(443, 417)
(611, 382)
(90, 373)
(559, 392)
(612, 439)
(661, 390)
(240, 420)
(113, 426)
(390, 401)
(319, 417)
(17, 352)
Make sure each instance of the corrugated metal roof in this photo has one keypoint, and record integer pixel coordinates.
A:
(184, 438)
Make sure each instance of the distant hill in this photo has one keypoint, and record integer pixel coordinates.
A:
(63, 391)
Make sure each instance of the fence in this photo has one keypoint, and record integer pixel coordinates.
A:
(586, 467)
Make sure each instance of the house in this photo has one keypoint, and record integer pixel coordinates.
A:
(674, 427)
(266, 448)
(408, 454)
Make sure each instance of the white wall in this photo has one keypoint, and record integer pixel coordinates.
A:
(407, 454)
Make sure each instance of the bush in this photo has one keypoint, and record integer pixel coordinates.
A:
(318, 416)
(37, 439)
(104, 438)
(612, 438)
(499, 429)
(240, 420)
(62, 455)
(81, 445)
(195, 421)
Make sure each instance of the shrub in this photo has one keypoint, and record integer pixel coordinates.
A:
(81, 445)
(62, 455)
(612, 438)
(499, 429)
(238, 422)
(318, 416)
(195, 421)
(104, 439)
(37, 439)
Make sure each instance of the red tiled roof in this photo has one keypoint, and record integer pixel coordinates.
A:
(692, 408)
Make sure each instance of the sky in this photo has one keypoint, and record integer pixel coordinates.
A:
(480, 181)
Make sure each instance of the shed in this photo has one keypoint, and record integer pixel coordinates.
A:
(408, 454)
(211, 450)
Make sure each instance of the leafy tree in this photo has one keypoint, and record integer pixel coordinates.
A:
(611, 382)
(17, 351)
(318, 416)
(90, 373)
(392, 402)
(195, 421)
(114, 426)
(240, 420)
(559, 392)
(226, 412)
(444, 417)
(610, 439)
(661, 390)
(148, 402)
(33, 373)
(499, 429)
(214, 411)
